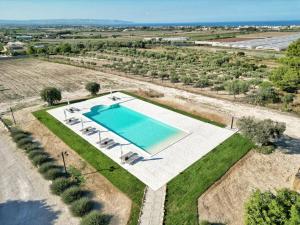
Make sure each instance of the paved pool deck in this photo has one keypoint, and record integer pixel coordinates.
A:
(153, 170)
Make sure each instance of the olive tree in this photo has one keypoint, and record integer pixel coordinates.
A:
(262, 132)
(51, 95)
(92, 87)
(282, 208)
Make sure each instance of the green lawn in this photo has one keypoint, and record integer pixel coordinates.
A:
(185, 189)
(119, 177)
(182, 192)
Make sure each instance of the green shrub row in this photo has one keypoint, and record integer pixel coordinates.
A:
(62, 184)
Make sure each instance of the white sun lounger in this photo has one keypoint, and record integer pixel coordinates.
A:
(72, 121)
(127, 155)
(132, 159)
(106, 143)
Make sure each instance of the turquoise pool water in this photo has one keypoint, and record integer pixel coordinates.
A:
(135, 127)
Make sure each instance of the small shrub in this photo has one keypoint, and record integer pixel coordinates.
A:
(40, 159)
(59, 185)
(95, 218)
(32, 147)
(53, 173)
(18, 136)
(24, 141)
(72, 194)
(51, 95)
(81, 207)
(266, 149)
(76, 174)
(15, 131)
(46, 166)
(92, 87)
(34, 153)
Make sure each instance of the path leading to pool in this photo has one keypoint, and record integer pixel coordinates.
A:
(153, 207)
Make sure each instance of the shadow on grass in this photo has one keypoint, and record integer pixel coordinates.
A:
(27, 213)
(289, 145)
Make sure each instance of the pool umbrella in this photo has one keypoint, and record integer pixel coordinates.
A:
(99, 132)
(65, 114)
(81, 123)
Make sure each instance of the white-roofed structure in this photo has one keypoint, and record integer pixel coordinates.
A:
(274, 43)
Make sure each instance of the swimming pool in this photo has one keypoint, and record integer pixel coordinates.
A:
(139, 129)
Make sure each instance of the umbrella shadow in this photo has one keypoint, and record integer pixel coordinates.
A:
(27, 213)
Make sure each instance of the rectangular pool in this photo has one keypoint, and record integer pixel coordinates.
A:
(147, 133)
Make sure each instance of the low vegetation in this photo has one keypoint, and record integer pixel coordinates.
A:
(282, 208)
(63, 184)
(93, 88)
(261, 132)
(51, 95)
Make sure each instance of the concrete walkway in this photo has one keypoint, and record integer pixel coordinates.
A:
(153, 207)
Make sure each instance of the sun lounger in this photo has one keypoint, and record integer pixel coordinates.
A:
(106, 143)
(127, 155)
(103, 140)
(114, 98)
(132, 159)
(89, 130)
(73, 109)
(72, 121)
(112, 145)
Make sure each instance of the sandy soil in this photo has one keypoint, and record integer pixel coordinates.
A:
(25, 196)
(25, 78)
(224, 201)
(112, 201)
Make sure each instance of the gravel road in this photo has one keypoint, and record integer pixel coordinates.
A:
(25, 198)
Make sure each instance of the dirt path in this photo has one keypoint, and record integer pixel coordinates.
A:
(24, 195)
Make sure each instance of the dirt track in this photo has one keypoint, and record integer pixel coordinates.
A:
(24, 195)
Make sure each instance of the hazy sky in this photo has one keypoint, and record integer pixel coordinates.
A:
(153, 10)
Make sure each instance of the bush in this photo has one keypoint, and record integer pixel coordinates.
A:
(53, 173)
(267, 208)
(34, 153)
(59, 185)
(95, 218)
(40, 159)
(51, 95)
(92, 87)
(46, 166)
(266, 149)
(15, 131)
(81, 207)
(32, 147)
(18, 136)
(24, 141)
(260, 132)
(72, 194)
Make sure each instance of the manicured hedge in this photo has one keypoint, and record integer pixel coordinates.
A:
(59, 185)
(95, 218)
(81, 207)
(72, 194)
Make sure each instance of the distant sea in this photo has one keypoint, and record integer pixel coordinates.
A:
(120, 23)
(231, 24)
